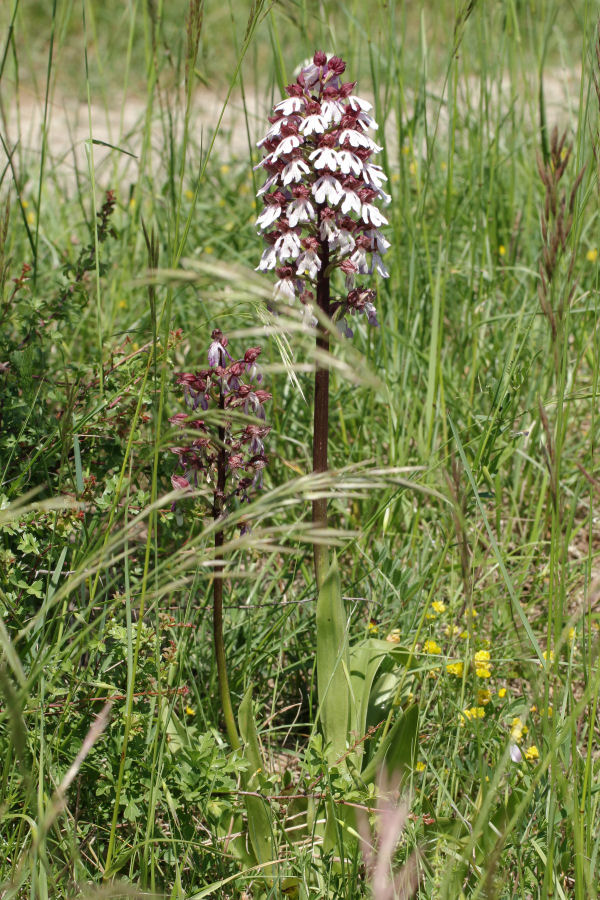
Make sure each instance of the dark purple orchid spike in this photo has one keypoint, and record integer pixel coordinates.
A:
(320, 221)
(230, 457)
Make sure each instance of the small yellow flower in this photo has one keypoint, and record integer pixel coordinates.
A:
(444, 166)
(405, 150)
(464, 635)
(225, 169)
(533, 708)
(122, 304)
(451, 630)
(208, 249)
(502, 693)
(253, 204)
(431, 647)
(31, 218)
(132, 202)
(439, 606)
(455, 668)
(189, 195)
(189, 711)
(532, 753)
(475, 712)
(483, 668)
(501, 250)
(549, 657)
(24, 204)
(471, 612)
(592, 255)
(483, 696)
(412, 168)
(373, 628)
(420, 767)
(517, 729)
(571, 635)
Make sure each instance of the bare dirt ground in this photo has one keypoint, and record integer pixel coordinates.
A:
(70, 125)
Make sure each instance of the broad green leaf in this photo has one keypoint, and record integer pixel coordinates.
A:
(366, 661)
(398, 749)
(258, 810)
(333, 664)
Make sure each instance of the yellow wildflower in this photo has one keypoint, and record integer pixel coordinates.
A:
(209, 250)
(592, 255)
(455, 668)
(571, 635)
(439, 606)
(412, 168)
(502, 693)
(548, 656)
(189, 195)
(431, 647)
(122, 304)
(483, 667)
(501, 250)
(475, 712)
(224, 169)
(420, 767)
(189, 711)
(517, 729)
(451, 630)
(483, 696)
(532, 753)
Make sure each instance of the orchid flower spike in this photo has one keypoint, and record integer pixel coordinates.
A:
(323, 192)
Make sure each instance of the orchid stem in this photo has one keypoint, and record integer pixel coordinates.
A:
(321, 413)
(221, 660)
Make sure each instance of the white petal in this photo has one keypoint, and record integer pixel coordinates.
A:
(515, 754)
(312, 125)
(373, 216)
(358, 103)
(268, 183)
(290, 105)
(269, 215)
(351, 202)
(378, 266)
(268, 260)
(288, 144)
(284, 290)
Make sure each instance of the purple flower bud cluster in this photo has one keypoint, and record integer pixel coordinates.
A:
(322, 190)
(232, 451)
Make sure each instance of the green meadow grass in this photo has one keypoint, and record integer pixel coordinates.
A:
(463, 499)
